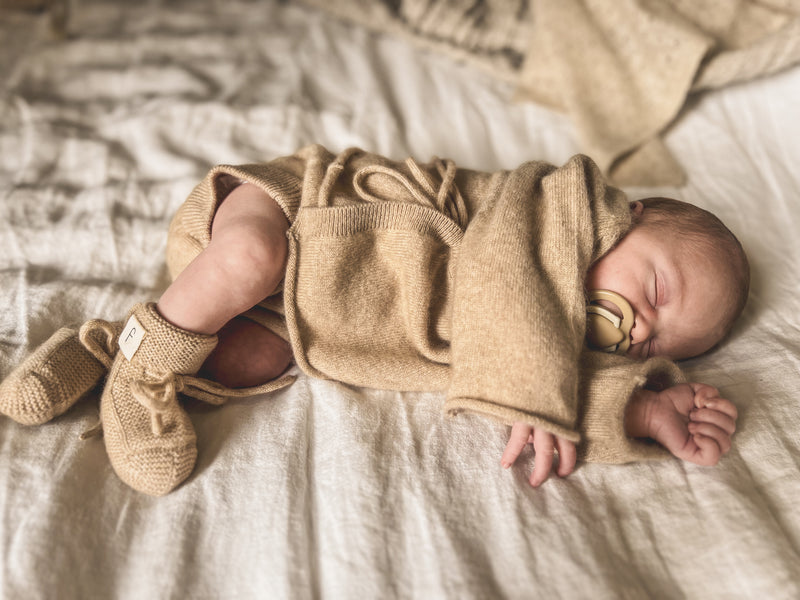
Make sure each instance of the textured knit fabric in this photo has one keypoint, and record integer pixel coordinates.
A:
(519, 305)
(606, 382)
(148, 436)
(55, 376)
(428, 277)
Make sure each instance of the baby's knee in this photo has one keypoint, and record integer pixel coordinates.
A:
(247, 355)
(249, 232)
(254, 250)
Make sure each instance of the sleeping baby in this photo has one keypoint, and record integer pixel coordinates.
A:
(538, 297)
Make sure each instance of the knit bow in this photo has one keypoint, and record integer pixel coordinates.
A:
(158, 393)
(446, 199)
(99, 337)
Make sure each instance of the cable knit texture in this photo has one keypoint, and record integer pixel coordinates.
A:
(427, 277)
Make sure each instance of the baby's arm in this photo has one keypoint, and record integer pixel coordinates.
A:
(544, 444)
(690, 420)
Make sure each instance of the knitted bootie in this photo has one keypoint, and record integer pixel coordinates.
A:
(148, 435)
(59, 372)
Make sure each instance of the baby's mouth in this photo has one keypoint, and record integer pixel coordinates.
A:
(609, 320)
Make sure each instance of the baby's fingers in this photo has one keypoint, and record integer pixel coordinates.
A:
(721, 405)
(567, 457)
(720, 419)
(708, 430)
(544, 446)
(520, 433)
(706, 396)
(708, 451)
(702, 393)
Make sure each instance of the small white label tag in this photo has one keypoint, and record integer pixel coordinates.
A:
(131, 337)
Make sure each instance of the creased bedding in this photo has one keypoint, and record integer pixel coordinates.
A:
(622, 70)
(336, 491)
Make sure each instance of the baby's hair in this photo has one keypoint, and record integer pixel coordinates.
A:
(704, 232)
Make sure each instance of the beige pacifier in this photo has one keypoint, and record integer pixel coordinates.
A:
(607, 330)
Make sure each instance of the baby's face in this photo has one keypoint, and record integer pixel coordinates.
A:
(679, 297)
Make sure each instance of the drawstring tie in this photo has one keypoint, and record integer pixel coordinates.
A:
(446, 200)
(103, 349)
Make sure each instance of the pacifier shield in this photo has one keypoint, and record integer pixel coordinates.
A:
(609, 320)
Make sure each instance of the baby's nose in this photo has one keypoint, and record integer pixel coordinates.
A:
(641, 329)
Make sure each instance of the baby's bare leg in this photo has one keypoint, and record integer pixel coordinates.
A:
(242, 265)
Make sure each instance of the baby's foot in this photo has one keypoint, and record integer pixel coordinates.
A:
(148, 435)
(690, 420)
(59, 372)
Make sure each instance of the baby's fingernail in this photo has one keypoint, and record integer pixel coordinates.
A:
(505, 464)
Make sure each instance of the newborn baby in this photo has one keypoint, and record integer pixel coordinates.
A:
(417, 277)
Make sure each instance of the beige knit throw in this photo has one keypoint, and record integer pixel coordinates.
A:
(622, 70)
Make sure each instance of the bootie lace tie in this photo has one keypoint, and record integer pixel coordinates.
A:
(158, 393)
(103, 349)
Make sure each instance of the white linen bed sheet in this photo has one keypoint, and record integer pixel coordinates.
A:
(325, 490)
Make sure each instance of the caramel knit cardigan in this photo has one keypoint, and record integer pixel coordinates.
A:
(428, 277)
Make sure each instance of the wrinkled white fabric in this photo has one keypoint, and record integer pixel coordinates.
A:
(323, 489)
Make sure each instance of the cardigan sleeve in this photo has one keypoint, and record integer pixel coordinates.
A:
(519, 309)
(607, 382)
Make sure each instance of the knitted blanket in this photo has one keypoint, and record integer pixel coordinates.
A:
(622, 70)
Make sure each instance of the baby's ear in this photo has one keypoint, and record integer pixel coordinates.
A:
(637, 209)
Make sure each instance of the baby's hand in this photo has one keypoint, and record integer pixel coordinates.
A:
(544, 444)
(690, 420)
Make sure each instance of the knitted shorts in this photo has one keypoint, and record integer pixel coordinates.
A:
(364, 300)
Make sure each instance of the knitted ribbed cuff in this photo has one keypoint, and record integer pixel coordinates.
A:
(507, 415)
(607, 384)
(283, 186)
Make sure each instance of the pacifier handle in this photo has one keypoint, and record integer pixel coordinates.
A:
(605, 330)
